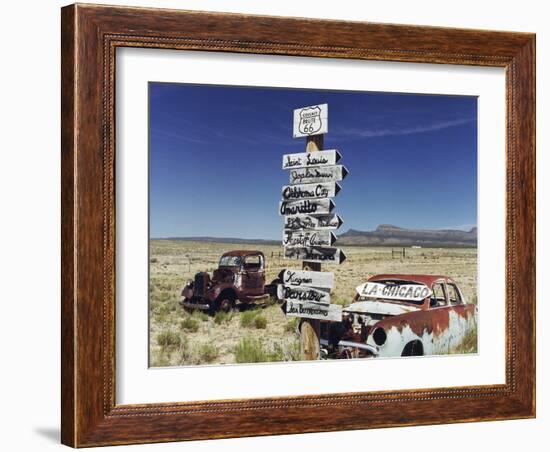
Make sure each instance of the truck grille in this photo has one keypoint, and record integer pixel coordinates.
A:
(201, 280)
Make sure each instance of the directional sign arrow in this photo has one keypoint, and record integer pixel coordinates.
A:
(308, 238)
(316, 174)
(301, 278)
(307, 159)
(310, 191)
(315, 254)
(306, 206)
(297, 293)
(331, 312)
(298, 222)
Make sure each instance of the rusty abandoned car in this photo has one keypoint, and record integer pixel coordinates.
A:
(240, 277)
(402, 315)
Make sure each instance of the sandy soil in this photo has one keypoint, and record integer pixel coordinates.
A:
(172, 263)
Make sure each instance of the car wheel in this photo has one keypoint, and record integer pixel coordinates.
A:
(225, 304)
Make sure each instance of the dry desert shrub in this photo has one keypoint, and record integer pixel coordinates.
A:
(190, 324)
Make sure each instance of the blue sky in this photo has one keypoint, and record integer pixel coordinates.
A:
(215, 158)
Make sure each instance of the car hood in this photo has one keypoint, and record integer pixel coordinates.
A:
(380, 307)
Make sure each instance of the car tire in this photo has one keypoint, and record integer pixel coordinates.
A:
(224, 304)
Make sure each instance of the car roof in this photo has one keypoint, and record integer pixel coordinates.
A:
(427, 280)
(242, 253)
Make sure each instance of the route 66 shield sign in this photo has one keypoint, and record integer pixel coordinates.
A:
(312, 120)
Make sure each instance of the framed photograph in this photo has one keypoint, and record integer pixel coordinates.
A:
(261, 226)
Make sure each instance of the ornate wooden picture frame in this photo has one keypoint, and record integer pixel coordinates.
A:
(90, 37)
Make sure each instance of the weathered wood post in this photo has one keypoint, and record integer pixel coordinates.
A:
(310, 330)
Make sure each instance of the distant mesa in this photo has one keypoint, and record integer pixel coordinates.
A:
(383, 235)
(222, 240)
(390, 235)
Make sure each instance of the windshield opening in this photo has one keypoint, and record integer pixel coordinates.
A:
(230, 261)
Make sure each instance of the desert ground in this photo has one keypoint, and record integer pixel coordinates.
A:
(264, 333)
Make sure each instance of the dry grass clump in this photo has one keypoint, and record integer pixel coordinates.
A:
(247, 318)
(260, 322)
(222, 317)
(190, 324)
(168, 339)
(251, 350)
(468, 345)
(207, 353)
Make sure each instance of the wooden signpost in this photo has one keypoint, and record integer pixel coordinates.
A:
(308, 225)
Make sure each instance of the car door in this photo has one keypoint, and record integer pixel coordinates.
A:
(253, 274)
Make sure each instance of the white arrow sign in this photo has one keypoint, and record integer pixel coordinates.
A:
(297, 222)
(306, 159)
(331, 312)
(315, 254)
(310, 191)
(308, 238)
(318, 174)
(322, 280)
(306, 206)
(312, 120)
(309, 294)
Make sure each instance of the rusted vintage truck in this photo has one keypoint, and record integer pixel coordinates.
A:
(240, 277)
(402, 315)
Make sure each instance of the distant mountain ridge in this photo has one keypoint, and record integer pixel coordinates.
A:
(390, 235)
(383, 235)
(222, 240)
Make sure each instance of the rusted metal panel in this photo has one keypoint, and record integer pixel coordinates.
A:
(439, 330)
(396, 327)
(243, 253)
(427, 280)
(381, 308)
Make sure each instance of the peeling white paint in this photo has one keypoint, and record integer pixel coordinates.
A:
(433, 344)
(380, 307)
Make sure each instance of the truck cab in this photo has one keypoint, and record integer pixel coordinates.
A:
(240, 277)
